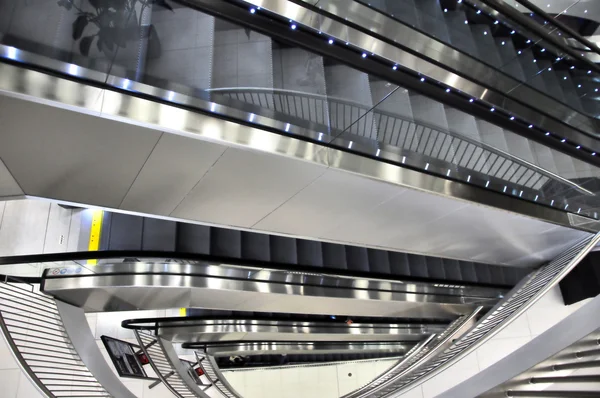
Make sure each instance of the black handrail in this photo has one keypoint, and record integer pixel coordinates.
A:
(559, 25)
(177, 255)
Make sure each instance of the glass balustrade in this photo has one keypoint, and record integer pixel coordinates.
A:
(166, 50)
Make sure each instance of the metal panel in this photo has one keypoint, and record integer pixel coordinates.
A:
(172, 170)
(222, 195)
(78, 330)
(284, 331)
(84, 159)
(137, 286)
(226, 350)
(245, 186)
(328, 200)
(8, 185)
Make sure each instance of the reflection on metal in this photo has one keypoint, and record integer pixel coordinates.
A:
(522, 297)
(221, 330)
(569, 373)
(225, 349)
(565, 357)
(506, 92)
(34, 332)
(39, 87)
(172, 285)
(419, 356)
(165, 363)
(418, 137)
(214, 375)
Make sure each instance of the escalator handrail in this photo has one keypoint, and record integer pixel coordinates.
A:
(513, 305)
(418, 356)
(561, 26)
(120, 254)
(327, 99)
(526, 23)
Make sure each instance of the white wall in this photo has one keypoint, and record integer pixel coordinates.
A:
(540, 317)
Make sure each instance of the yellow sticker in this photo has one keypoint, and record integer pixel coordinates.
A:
(95, 231)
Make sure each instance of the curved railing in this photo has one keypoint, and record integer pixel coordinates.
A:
(522, 297)
(417, 356)
(34, 331)
(166, 365)
(214, 375)
(337, 116)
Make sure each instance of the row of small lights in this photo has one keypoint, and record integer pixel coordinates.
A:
(364, 55)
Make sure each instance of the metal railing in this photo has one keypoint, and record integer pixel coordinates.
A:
(417, 356)
(33, 329)
(162, 363)
(214, 375)
(543, 379)
(522, 297)
(337, 115)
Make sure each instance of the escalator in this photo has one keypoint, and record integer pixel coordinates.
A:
(254, 339)
(121, 232)
(275, 92)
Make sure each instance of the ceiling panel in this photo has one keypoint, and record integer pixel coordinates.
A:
(8, 185)
(170, 173)
(64, 155)
(245, 186)
(326, 201)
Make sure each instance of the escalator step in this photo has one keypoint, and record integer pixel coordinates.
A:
(435, 268)
(283, 250)
(226, 242)
(309, 253)
(159, 235)
(357, 258)
(399, 264)
(379, 261)
(256, 246)
(334, 255)
(417, 265)
(193, 238)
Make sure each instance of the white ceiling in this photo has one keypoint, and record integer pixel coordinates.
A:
(68, 156)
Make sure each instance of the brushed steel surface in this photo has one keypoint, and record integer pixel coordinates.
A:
(8, 185)
(125, 291)
(273, 331)
(578, 332)
(278, 348)
(358, 218)
(484, 82)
